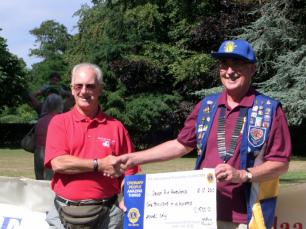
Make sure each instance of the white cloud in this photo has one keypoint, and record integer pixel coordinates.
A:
(18, 17)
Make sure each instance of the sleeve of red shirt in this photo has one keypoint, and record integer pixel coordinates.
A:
(187, 135)
(279, 141)
(56, 143)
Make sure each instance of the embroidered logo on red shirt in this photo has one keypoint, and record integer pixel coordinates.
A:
(106, 142)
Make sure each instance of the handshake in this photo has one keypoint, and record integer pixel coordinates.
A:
(112, 166)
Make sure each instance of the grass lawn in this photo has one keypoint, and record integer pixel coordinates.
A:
(16, 163)
(19, 163)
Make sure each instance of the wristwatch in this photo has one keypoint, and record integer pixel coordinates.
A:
(249, 175)
(95, 165)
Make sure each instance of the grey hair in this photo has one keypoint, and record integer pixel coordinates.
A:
(53, 103)
(94, 67)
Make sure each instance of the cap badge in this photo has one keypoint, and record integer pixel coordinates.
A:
(229, 46)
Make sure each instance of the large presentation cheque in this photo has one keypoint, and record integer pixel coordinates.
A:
(171, 200)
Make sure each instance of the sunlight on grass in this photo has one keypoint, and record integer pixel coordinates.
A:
(293, 177)
(19, 163)
(16, 163)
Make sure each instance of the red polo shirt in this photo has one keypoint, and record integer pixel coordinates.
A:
(231, 203)
(74, 134)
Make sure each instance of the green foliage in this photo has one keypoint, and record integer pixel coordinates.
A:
(289, 84)
(272, 35)
(184, 17)
(143, 23)
(20, 114)
(208, 91)
(100, 29)
(190, 10)
(155, 54)
(52, 39)
(12, 78)
(278, 37)
(145, 114)
(100, 39)
(140, 76)
(40, 72)
(163, 54)
(148, 112)
(221, 22)
(192, 73)
(115, 105)
(147, 52)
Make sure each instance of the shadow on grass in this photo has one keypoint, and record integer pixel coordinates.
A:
(292, 181)
(298, 158)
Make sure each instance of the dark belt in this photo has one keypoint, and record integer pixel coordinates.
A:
(105, 202)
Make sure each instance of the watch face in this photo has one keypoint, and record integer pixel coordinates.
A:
(249, 176)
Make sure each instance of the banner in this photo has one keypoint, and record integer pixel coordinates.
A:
(291, 207)
(24, 203)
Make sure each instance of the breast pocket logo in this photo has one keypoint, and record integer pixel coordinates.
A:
(106, 143)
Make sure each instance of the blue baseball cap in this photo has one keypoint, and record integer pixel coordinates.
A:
(236, 49)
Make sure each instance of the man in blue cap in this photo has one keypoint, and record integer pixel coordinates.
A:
(242, 134)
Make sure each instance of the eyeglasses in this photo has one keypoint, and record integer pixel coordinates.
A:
(88, 87)
(237, 65)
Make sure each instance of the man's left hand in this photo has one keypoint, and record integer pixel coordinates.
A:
(225, 172)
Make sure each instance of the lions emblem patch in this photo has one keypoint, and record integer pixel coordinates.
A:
(133, 215)
(210, 178)
(256, 135)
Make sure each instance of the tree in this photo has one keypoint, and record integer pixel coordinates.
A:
(278, 37)
(148, 53)
(12, 78)
(52, 42)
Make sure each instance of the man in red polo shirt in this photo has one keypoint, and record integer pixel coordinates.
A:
(242, 134)
(80, 148)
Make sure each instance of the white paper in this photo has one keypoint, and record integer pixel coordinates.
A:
(180, 200)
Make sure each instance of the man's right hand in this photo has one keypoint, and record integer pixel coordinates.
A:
(110, 166)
